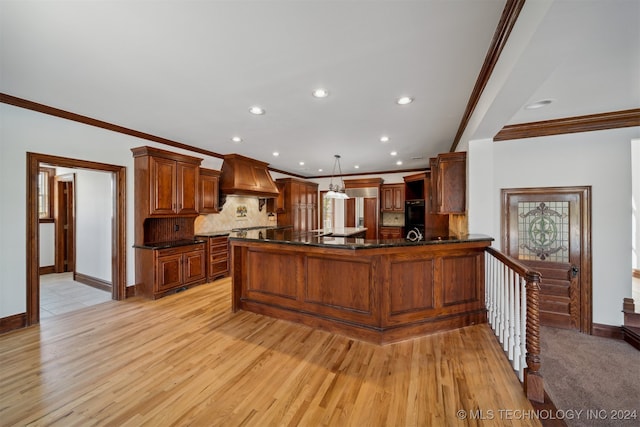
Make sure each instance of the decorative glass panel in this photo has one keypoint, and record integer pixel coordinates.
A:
(543, 231)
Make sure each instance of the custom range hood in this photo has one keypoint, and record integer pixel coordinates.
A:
(246, 177)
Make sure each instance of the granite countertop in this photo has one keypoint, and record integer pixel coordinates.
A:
(214, 233)
(169, 244)
(321, 239)
(340, 232)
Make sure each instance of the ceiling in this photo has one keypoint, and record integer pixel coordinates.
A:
(189, 71)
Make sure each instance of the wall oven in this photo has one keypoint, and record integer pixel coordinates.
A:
(414, 213)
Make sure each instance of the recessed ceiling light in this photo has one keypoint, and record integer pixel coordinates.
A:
(357, 167)
(236, 139)
(301, 163)
(320, 93)
(399, 162)
(276, 154)
(384, 138)
(538, 104)
(258, 111)
(404, 100)
(394, 153)
(319, 170)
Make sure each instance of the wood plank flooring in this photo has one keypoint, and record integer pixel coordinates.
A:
(187, 360)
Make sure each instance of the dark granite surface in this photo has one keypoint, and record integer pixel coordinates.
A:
(214, 233)
(319, 238)
(170, 244)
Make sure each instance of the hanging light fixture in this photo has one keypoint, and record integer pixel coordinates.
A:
(335, 191)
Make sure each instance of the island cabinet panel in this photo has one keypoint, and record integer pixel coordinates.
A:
(412, 286)
(340, 284)
(458, 279)
(272, 274)
(380, 294)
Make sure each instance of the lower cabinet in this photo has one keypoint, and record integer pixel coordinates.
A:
(165, 271)
(391, 233)
(218, 257)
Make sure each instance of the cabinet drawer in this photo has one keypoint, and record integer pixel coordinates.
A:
(221, 256)
(218, 267)
(180, 250)
(224, 247)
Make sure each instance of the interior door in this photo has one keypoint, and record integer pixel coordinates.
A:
(371, 217)
(64, 215)
(548, 229)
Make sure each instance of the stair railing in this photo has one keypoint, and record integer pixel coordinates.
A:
(512, 299)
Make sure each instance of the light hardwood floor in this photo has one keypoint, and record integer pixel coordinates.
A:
(187, 360)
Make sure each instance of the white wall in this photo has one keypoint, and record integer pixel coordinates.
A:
(47, 244)
(94, 217)
(599, 159)
(635, 184)
(23, 131)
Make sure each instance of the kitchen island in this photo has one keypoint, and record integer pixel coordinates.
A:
(375, 290)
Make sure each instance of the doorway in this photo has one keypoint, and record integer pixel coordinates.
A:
(64, 214)
(549, 230)
(118, 226)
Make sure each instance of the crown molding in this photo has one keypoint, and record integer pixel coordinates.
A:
(508, 19)
(588, 123)
(57, 112)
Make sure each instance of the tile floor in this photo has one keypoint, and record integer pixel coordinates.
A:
(60, 294)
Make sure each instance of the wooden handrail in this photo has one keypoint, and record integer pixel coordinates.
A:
(515, 265)
(533, 382)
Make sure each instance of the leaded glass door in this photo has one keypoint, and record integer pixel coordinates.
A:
(548, 230)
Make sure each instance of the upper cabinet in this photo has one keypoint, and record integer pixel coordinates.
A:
(448, 183)
(392, 198)
(297, 204)
(277, 204)
(209, 194)
(166, 181)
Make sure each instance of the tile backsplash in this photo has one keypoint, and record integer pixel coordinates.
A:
(392, 219)
(237, 212)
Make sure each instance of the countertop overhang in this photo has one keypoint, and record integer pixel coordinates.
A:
(318, 238)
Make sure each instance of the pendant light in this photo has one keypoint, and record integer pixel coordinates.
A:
(335, 191)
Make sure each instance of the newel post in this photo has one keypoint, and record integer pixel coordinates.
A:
(533, 383)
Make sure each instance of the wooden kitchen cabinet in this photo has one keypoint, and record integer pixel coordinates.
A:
(448, 183)
(391, 232)
(277, 204)
(167, 181)
(209, 195)
(217, 256)
(392, 198)
(165, 271)
(300, 204)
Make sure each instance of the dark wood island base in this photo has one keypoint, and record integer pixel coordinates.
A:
(377, 291)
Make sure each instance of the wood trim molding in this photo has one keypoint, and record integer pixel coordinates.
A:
(94, 282)
(586, 272)
(16, 321)
(131, 291)
(607, 331)
(589, 123)
(636, 273)
(118, 233)
(508, 19)
(49, 269)
(52, 111)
